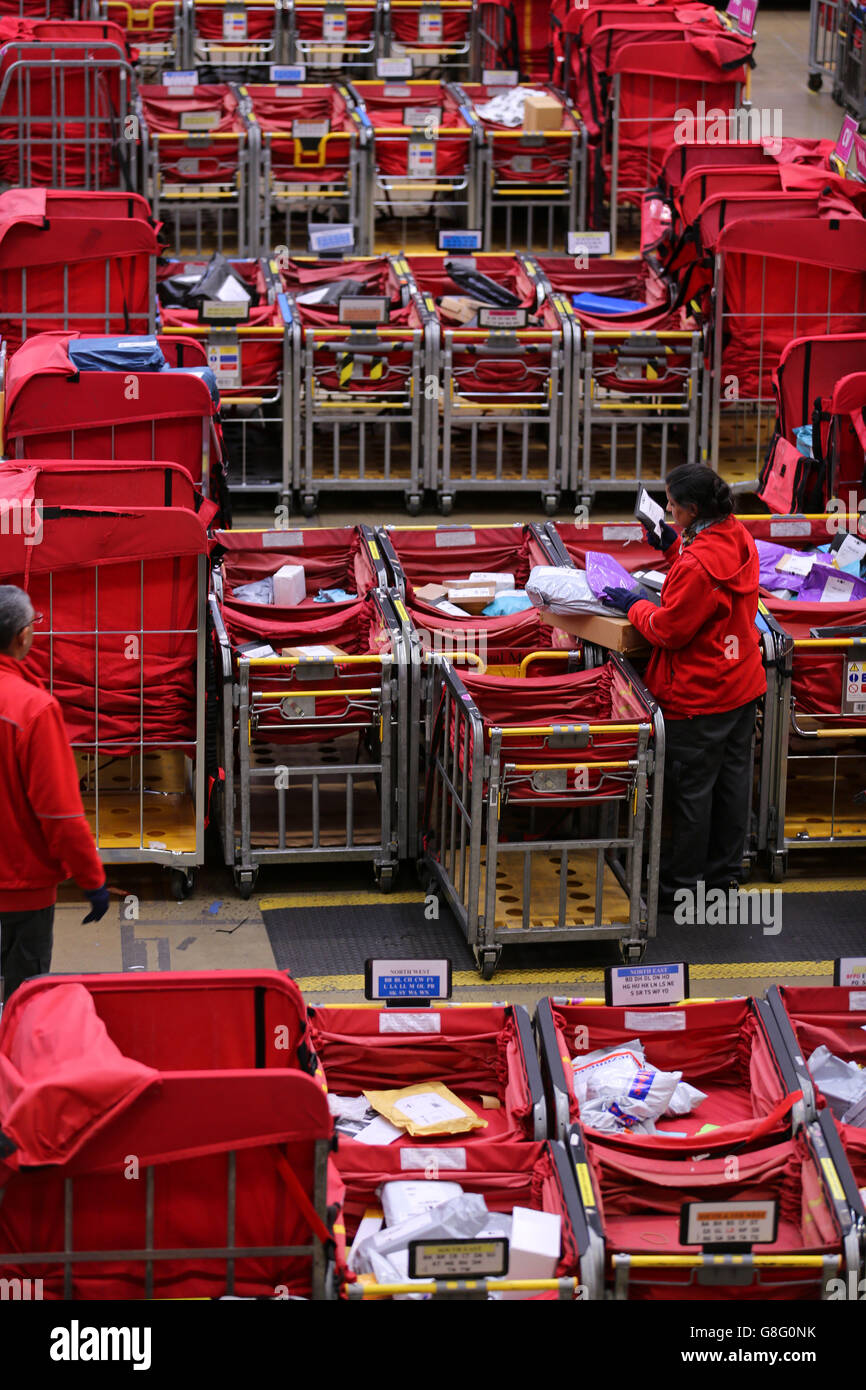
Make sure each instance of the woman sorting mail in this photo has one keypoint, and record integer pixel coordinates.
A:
(707, 674)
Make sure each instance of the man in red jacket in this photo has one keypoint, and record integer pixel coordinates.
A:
(45, 836)
(707, 674)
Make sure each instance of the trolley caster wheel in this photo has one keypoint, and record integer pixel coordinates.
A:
(632, 952)
(309, 506)
(551, 504)
(815, 82)
(385, 878)
(413, 504)
(446, 505)
(778, 867)
(182, 883)
(245, 882)
(745, 871)
(487, 964)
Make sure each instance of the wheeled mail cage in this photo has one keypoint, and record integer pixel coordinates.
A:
(235, 40)
(824, 38)
(66, 92)
(638, 373)
(729, 1049)
(311, 697)
(157, 31)
(849, 85)
(334, 39)
(238, 1194)
(360, 378)
(75, 261)
(508, 1175)
(199, 165)
(248, 348)
(783, 266)
(420, 143)
(440, 39)
(311, 166)
(531, 184)
(655, 1214)
(539, 802)
(415, 556)
(122, 592)
(168, 410)
(498, 415)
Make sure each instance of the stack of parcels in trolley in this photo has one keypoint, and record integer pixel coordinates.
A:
(432, 1210)
(619, 1091)
(486, 592)
(831, 573)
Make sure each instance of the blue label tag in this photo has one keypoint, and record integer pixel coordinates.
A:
(411, 986)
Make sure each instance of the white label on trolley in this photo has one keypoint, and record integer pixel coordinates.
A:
(673, 1022)
(235, 23)
(280, 73)
(188, 166)
(622, 533)
(199, 120)
(224, 360)
(392, 68)
(407, 979)
(288, 92)
(850, 972)
(281, 540)
(181, 84)
(429, 25)
(310, 130)
(444, 539)
(589, 243)
(854, 689)
(790, 528)
(522, 164)
(336, 236)
(411, 1160)
(422, 159)
(646, 984)
(458, 1259)
(390, 1022)
(729, 1223)
(502, 318)
(334, 25)
(396, 89)
(491, 78)
(420, 117)
(857, 1002)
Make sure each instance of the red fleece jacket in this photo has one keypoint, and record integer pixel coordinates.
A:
(707, 657)
(44, 835)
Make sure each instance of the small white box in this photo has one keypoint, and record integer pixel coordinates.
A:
(290, 586)
(535, 1246)
(504, 582)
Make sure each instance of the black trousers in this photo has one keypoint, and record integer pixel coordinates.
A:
(708, 774)
(26, 939)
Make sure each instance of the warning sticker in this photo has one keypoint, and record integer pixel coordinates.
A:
(854, 688)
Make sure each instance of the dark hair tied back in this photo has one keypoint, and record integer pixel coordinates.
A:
(694, 483)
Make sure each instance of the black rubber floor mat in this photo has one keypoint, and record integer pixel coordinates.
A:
(337, 940)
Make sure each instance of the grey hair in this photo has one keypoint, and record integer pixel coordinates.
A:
(16, 611)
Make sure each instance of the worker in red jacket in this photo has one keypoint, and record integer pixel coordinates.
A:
(707, 674)
(45, 835)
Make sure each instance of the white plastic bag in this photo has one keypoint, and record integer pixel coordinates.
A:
(562, 590)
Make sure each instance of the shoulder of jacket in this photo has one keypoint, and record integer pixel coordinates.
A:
(28, 702)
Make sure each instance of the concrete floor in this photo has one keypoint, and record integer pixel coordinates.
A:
(214, 929)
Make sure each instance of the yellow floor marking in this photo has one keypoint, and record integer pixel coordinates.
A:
(337, 900)
(728, 970)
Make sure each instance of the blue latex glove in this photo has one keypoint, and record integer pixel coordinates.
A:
(624, 598)
(663, 542)
(99, 904)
